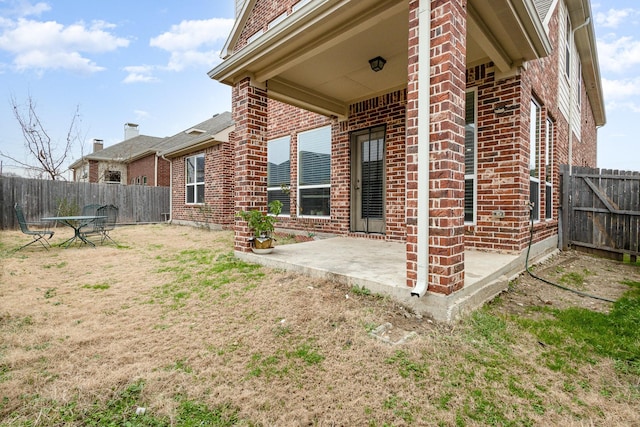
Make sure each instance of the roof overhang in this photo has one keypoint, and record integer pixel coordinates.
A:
(199, 144)
(318, 57)
(506, 32)
(585, 40)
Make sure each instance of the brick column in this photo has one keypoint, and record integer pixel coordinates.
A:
(446, 146)
(250, 116)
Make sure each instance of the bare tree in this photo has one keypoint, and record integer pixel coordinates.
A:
(47, 156)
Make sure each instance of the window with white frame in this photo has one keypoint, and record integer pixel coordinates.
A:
(314, 172)
(470, 157)
(534, 159)
(112, 177)
(548, 167)
(194, 166)
(279, 172)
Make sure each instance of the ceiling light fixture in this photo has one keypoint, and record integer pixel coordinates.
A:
(377, 63)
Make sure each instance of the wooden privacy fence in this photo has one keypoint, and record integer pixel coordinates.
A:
(601, 210)
(41, 198)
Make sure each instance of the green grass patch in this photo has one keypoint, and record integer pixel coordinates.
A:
(577, 334)
(407, 368)
(121, 410)
(98, 286)
(204, 274)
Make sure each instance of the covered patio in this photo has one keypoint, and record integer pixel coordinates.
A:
(380, 267)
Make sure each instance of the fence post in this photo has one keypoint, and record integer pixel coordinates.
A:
(565, 198)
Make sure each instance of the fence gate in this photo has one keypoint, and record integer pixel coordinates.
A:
(601, 211)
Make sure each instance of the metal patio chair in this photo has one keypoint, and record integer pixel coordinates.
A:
(37, 235)
(88, 210)
(102, 226)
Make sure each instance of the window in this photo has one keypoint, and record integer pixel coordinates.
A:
(194, 166)
(144, 180)
(548, 167)
(279, 172)
(314, 172)
(112, 177)
(534, 160)
(470, 155)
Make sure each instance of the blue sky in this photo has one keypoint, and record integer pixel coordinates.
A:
(145, 61)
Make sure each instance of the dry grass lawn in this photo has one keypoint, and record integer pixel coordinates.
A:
(171, 322)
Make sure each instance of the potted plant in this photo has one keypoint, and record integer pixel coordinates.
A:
(262, 225)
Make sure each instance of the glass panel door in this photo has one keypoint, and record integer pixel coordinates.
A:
(368, 181)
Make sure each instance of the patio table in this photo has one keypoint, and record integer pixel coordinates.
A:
(76, 222)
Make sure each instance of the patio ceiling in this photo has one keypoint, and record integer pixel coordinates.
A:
(318, 57)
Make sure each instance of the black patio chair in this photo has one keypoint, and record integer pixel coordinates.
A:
(37, 235)
(88, 210)
(102, 226)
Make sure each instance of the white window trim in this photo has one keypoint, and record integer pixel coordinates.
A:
(307, 187)
(549, 146)
(474, 175)
(288, 138)
(195, 183)
(535, 137)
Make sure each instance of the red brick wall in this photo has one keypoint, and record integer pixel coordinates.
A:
(93, 171)
(446, 146)
(263, 12)
(389, 110)
(503, 149)
(164, 173)
(140, 168)
(250, 111)
(386, 109)
(218, 192)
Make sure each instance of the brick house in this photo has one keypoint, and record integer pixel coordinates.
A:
(132, 161)
(364, 127)
(201, 162)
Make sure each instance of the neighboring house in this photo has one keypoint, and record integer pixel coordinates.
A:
(202, 172)
(439, 124)
(132, 161)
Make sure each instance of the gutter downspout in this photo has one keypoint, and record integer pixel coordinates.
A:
(571, 94)
(170, 187)
(424, 124)
(155, 172)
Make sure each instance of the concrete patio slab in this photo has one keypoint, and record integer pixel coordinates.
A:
(380, 266)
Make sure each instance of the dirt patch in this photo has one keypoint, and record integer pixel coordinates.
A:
(593, 279)
(173, 308)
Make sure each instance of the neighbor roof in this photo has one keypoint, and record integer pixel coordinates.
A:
(210, 132)
(125, 151)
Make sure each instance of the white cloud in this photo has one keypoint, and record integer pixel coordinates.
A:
(180, 60)
(140, 74)
(46, 45)
(614, 17)
(618, 54)
(193, 42)
(191, 35)
(22, 8)
(621, 88)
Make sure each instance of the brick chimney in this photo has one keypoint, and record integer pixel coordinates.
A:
(130, 130)
(98, 145)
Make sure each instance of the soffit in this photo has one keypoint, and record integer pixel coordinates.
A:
(585, 40)
(317, 58)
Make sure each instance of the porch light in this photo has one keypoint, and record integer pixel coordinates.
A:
(377, 63)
